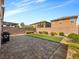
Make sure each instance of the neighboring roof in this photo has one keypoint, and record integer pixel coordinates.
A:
(63, 18)
(8, 23)
(40, 22)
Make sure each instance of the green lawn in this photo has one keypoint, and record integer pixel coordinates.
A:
(74, 44)
(47, 37)
(75, 48)
(71, 45)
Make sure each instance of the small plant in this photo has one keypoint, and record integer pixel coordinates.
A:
(74, 37)
(75, 48)
(45, 32)
(40, 32)
(61, 34)
(53, 33)
(29, 32)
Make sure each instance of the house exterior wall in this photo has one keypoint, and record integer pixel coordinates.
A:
(1, 2)
(1, 8)
(9, 24)
(65, 25)
(1, 17)
(78, 29)
(34, 25)
(43, 29)
(46, 27)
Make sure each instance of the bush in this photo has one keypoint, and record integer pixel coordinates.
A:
(53, 33)
(61, 34)
(45, 32)
(29, 32)
(74, 37)
(40, 32)
(75, 48)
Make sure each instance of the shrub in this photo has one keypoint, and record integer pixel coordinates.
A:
(61, 34)
(40, 32)
(29, 32)
(53, 33)
(74, 37)
(45, 32)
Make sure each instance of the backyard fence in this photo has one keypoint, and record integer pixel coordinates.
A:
(16, 30)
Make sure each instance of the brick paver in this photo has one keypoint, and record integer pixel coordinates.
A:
(25, 47)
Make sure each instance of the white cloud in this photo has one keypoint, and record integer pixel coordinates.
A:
(20, 7)
(61, 5)
(39, 1)
(23, 5)
(13, 12)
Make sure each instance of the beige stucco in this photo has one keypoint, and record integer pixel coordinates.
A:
(1, 17)
(61, 25)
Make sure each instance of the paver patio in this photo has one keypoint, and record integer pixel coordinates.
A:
(25, 47)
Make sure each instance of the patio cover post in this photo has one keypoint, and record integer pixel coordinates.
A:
(1, 17)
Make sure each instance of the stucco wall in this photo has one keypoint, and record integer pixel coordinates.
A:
(65, 26)
(66, 30)
(1, 17)
(78, 29)
(43, 29)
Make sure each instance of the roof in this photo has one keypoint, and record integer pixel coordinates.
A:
(7, 23)
(63, 18)
(40, 22)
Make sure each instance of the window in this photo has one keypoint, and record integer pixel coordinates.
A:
(60, 22)
(72, 20)
(40, 25)
(48, 25)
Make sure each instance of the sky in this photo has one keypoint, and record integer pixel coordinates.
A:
(31, 11)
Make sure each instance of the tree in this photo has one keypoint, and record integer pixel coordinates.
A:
(17, 25)
(22, 25)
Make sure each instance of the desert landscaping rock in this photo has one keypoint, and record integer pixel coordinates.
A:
(25, 47)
